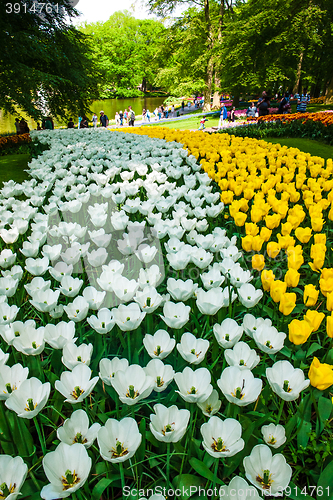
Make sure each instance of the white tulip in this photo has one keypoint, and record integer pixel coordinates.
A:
(30, 398)
(119, 440)
(46, 300)
(159, 345)
(238, 489)
(76, 385)
(181, 290)
(211, 405)
(133, 384)
(191, 349)
(248, 295)
(77, 310)
(269, 339)
(37, 267)
(286, 381)
(76, 430)
(67, 468)
(36, 285)
(274, 435)
(109, 367)
(57, 336)
(251, 324)
(103, 322)
(161, 374)
(194, 386)
(30, 341)
(270, 474)
(168, 424)
(60, 270)
(148, 299)
(222, 438)
(175, 315)
(13, 472)
(228, 333)
(70, 286)
(93, 297)
(11, 377)
(242, 356)
(239, 386)
(128, 317)
(73, 354)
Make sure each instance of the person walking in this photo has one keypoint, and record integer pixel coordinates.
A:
(148, 115)
(84, 122)
(232, 114)
(48, 124)
(70, 124)
(121, 117)
(251, 111)
(202, 123)
(24, 129)
(263, 106)
(144, 114)
(126, 116)
(223, 116)
(159, 113)
(17, 126)
(166, 111)
(131, 117)
(117, 118)
(79, 122)
(183, 106)
(103, 119)
(302, 102)
(173, 114)
(94, 120)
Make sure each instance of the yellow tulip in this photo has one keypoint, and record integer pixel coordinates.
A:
(247, 243)
(310, 296)
(251, 229)
(286, 228)
(286, 241)
(265, 233)
(258, 262)
(273, 249)
(329, 326)
(303, 234)
(287, 303)
(329, 301)
(278, 288)
(320, 374)
(317, 223)
(256, 214)
(240, 219)
(314, 318)
(257, 243)
(273, 221)
(320, 239)
(291, 278)
(267, 278)
(326, 281)
(299, 331)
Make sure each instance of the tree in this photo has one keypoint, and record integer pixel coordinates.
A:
(213, 16)
(43, 60)
(277, 44)
(124, 50)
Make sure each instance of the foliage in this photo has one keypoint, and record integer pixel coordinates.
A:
(124, 51)
(44, 63)
(277, 43)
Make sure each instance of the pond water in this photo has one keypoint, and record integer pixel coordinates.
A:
(109, 106)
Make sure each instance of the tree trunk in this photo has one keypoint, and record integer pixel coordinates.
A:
(144, 84)
(329, 93)
(298, 76)
(208, 85)
(235, 101)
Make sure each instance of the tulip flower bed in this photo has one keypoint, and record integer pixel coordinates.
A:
(139, 353)
(11, 142)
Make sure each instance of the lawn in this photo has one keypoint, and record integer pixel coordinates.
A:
(315, 148)
(13, 167)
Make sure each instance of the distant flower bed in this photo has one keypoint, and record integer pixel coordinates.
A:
(14, 140)
(324, 117)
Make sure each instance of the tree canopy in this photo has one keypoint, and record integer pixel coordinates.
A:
(43, 60)
(124, 51)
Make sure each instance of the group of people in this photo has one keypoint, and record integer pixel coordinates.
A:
(22, 126)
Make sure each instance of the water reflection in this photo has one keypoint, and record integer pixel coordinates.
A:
(109, 106)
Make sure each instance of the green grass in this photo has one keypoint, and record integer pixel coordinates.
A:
(315, 148)
(188, 124)
(13, 166)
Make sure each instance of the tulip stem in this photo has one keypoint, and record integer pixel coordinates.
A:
(168, 465)
(122, 476)
(40, 436)
(129, 347)
(216, 468)
(280, 411)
